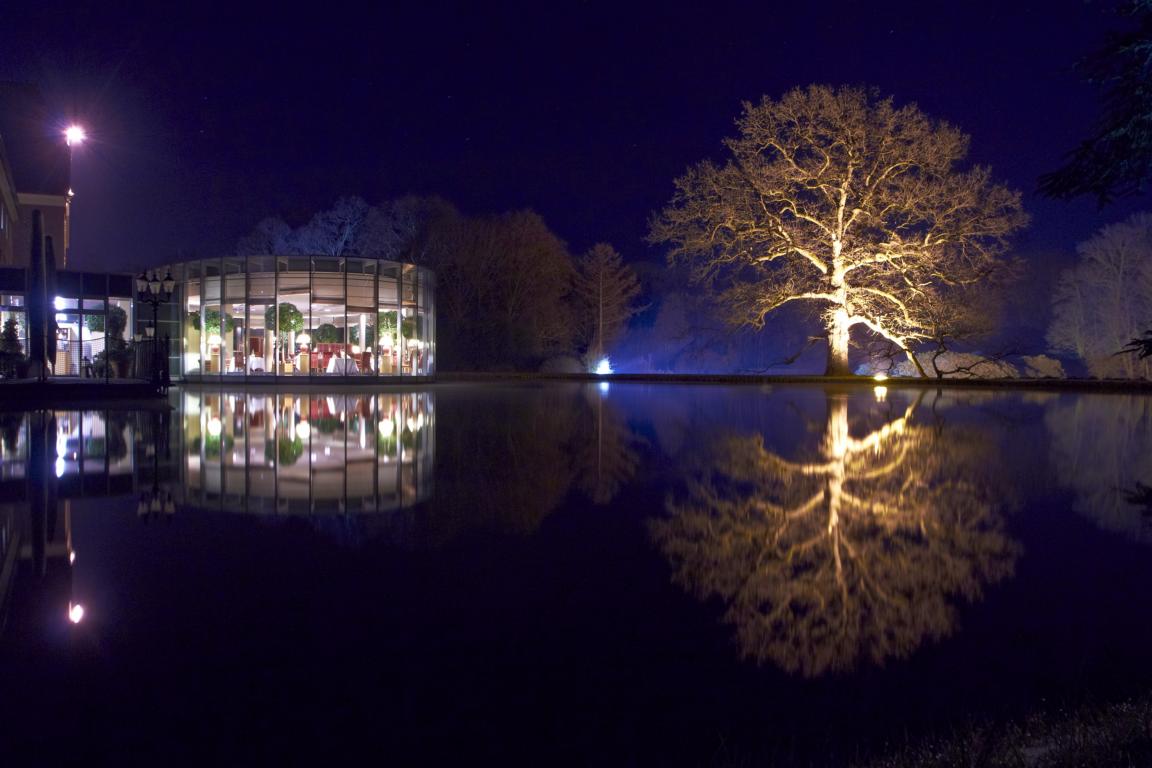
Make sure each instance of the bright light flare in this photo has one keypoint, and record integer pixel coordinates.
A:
(881, 377)
(75, 613)
(604, 367)
(75, 135)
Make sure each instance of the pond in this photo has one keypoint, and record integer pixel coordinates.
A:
(565, 573)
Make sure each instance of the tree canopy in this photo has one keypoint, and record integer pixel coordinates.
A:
(838, 198)
(1116, 160)
(606, 290)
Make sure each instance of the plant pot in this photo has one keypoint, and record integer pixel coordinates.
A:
(120, 368)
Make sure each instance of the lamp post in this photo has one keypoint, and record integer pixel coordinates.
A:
(74, 136)
(154, 291)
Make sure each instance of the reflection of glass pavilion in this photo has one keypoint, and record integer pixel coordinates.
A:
(279, 452)
(272, 316)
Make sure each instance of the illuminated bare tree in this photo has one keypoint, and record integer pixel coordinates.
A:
(857, 554)
(606, 290)
(1106, 299)
(836, 197)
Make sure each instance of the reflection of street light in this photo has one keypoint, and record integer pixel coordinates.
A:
(75, 613)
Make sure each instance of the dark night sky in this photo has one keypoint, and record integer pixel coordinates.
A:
(208, 117)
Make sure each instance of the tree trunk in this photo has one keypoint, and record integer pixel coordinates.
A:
(838, 335)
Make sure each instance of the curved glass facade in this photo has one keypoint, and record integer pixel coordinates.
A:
(300, 316)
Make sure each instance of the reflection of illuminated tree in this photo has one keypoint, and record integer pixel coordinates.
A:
(1102, 451)
(608, 456)
(856, 554)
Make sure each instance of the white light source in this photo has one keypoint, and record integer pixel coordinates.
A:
(881, 377)
(604, 367)
(303, 430)
(215, 340)
(59, 303)
(74, 135)
(303, 339)
(386, 426)
(214, 427)
(881, 393)
(75, 613)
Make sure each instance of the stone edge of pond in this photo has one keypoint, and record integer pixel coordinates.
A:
(1091, 385)
(71, 395)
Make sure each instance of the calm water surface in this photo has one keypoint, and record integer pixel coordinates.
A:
(567, 574)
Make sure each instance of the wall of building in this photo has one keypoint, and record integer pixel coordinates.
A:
(54, 210)
(9, 211)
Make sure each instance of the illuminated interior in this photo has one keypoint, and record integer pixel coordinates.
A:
(272, 316)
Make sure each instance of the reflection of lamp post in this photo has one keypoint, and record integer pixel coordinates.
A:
(158, 500)
(151, 290)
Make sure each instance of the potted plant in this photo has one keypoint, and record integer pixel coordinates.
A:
(327, 333)
(291, 321)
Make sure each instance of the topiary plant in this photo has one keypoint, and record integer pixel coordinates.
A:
(291, 321)
(11, 348)
(326, 333)
(116, 323)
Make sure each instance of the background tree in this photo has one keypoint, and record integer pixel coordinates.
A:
(503, 294)
(503, 283)
(333, 232)
(856, 551)
(606, 290)
(1116, 160)
(271, 237)
(1099, 305)
(835, 197)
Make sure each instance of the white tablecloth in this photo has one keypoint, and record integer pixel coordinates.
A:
(344, 365)
(255, 363)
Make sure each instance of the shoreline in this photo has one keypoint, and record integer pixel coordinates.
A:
(118, 395)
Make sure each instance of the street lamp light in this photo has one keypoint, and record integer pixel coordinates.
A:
(154, 291)
(74, 134)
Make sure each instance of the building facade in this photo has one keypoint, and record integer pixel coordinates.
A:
(35, 169)
(266, 317)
